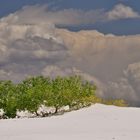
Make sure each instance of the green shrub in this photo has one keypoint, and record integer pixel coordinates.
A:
(8, 98)
(33, 92)
(68, 91)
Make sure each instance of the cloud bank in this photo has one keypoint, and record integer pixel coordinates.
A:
(34, 46)
(42, 14)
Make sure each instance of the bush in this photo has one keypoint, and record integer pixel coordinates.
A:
(34, 92)
(8, 98)
(68, 91)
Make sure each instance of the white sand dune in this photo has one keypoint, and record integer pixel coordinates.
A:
(98, 122)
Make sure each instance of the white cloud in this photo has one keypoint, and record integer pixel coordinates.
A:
(122, 89)
(29, 47)
(121, 11)
(127, 87)
(133, 75)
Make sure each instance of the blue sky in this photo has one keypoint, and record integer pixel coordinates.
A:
(124, 26)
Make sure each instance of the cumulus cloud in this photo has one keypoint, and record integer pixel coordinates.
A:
(29, 46)
(133, 75)
(127, 87)
(121, 11)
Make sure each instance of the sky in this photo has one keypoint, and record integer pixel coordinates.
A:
(97, 39)
(118, 27)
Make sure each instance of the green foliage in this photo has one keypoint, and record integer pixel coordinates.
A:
(8, 98)
(68, 91)
(33, 92)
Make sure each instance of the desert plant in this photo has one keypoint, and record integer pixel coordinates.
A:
(8, 100)
(33, 92)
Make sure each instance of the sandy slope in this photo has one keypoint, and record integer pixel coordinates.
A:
(98, 122)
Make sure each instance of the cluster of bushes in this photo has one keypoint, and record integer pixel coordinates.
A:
(34, 92)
